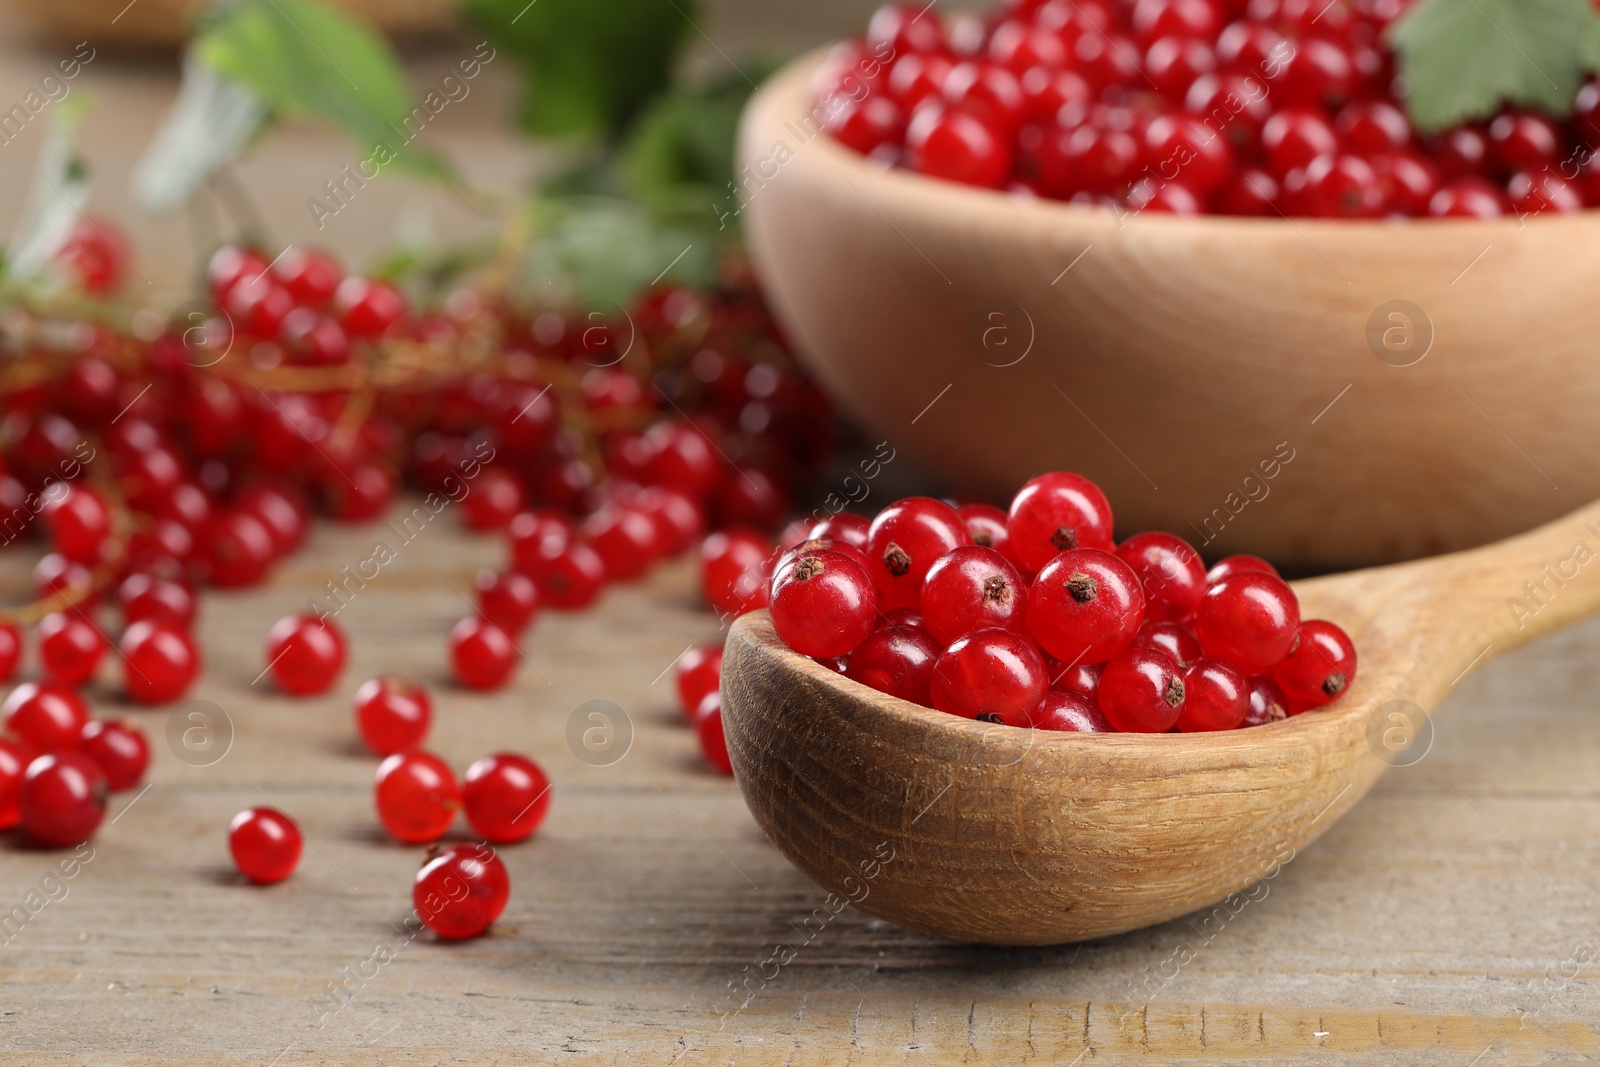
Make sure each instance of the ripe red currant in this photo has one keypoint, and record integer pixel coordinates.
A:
(368, 308)
(905, 541)
(972, 588)
(823, 605)
(305, 654)
(1085, 606)
(699, 673)
(1173, 638)
(10, 650)
(1234, 564)
(1320, 666)
(146, 596)
(1141, 691)
(509, 599)
(993, 675)
(119, 749)
(460, 890)
(1248, 620)
(1170, 572)
(416, 796)
(45, 716)
(79, 522)
(1053, 513)
(265, 844)
(63, 799)
(1267, 703)
(1216, 697)
(160, 661)
(505, 797)
(1069, 712)
(14, 760)
(1082, 679)
(708, 730)
(392, 713)
(897, 660)
(482, 655)
(733, 570)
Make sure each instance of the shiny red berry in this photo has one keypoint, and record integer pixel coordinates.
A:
(367, 308)
(708, 730)
(10, 650)
(1267, 703)
(699, 673)
(994, 675)
(823, 605)
(45, 716)
(509, 599)
(14, 760)
(1085, 606)
(897, 660)
(972, 588)
(1216, 697)
(482, 655)
(305, 654)
(145, 596)
(1235, 564)
(904, 542)
(1249, 620)
(70, 647)
(1070, 713)
(1169, 571)
(1320, 666)
(461, 890)
(1056, 512)
(118, 748)
(958, 144)
(1141, 691)
(63, 799)
(505, 797)
(1173, 638)
(310, 274)
(416, 796)
(265, 845)
(733, 570)
(160, 661)
(392, 713)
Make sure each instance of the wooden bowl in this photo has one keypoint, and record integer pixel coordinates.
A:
(1326, 394)
(165, 24)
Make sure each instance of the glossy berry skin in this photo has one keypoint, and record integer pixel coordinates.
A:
(958, 144)
(1266, 703)
(145, 596)
(1320, 666)
(367, 308)
(14, 760)
(119, 749)
(994, 675)
(823, 605)
(79, 523)
(1085, 606)
(70, 647)
(897, 660)
(1170, 572)
(305, 654)
(505, 797)
(311, 275)
(235, 549)
(1175, 639)
(461, 890)
(1236, 564)
(10, 650)
(392, 714)
(849, 528)
(416, 796)
(708, 730)
(494, 500)
(732, 570)
(63, 799)
(1216, 697)
(905, 541)
(265, 844)
(972, 588)
(569, 574)
(1069, 713)
(1082, 679)
(986, 525)
(1249, 620)
(482, 655)
(509, 599)
(1141, 691)
(160, 661)
(792, 556)
(699, 673)
(45, 716)
(1053, 513)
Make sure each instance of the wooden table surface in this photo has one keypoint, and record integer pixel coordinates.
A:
(1449, 919)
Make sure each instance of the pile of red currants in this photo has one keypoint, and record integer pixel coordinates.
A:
(1232, 107)
(1036, 618)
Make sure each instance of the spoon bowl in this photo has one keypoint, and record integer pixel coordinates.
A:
(1009, 836)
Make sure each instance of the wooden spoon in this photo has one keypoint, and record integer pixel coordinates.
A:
(1020, 837)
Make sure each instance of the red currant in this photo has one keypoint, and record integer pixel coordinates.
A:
(1216, 697)
(482, 655)
(145, 596)
(460, 890)
(509, 599)
(1069, 712)
(905, 541)
(972, 588)
(994, 675)
(70, 647)
(733, 564)
(14, 760)
(416, 796)
(708, 729)
(118, 748)
(496, 498)
(505, 797)
(823, 605)
(1267, 703)
(79, 522)
(305, 654)
(236, 549)
(1249, 620)
(1236, 564)
(1056, 512)
(1320, 666)
(1173, 638)
(46, 716)
(1141, 691)
(897, 660)
(1085, 606)
(265, 844)
(63, 799)
(392, 713)
(310, 274)
(1170, 572)
(699, 673)
(160, 661)
(958, 145)
(366, 308)
(10, 650)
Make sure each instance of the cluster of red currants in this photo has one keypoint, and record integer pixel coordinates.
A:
(1234, 107)
(461, 889)
(1037, 618)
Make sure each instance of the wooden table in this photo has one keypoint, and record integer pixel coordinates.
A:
(1450, 916)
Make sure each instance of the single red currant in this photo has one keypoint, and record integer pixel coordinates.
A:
(1216, 697)
(305, 654)
(119, 749)
(1249, 620)
(45, 716)
(905, 541)
(496, 498)
(509, 599)
(1069, 712)
(1141, 691)
(416, 796)
(733, 570)
(505, 797)
(392, 713)
(708, 729)
(1320, 666)
(79, 522)
(986, 525)
(972, 588)
(1236, 564)
(368, 308)
(70, 647)
(699, 673)
(993, 675)
(959, 144)
(823, 605)
(460, 890)
(1082, 679)
(897, 660)
(1267, 703)
(63, 799)
(160, 661)
(145, 596)
(1170, 572)
(483, 655)
(847, 527)
(1085, 606)
(1053, 513)
(1173, 638)
(265, 844)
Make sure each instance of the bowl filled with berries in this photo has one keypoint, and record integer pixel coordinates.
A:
(1295, 278)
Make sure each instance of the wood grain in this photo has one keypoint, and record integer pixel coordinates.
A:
(1179, 360)
(1413, 929)
(1028, 837)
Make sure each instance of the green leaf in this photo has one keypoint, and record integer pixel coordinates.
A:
(1464, 59)
(609, 250)
(303, 57)
(589, 65)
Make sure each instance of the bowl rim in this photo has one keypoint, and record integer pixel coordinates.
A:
(791, 83)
